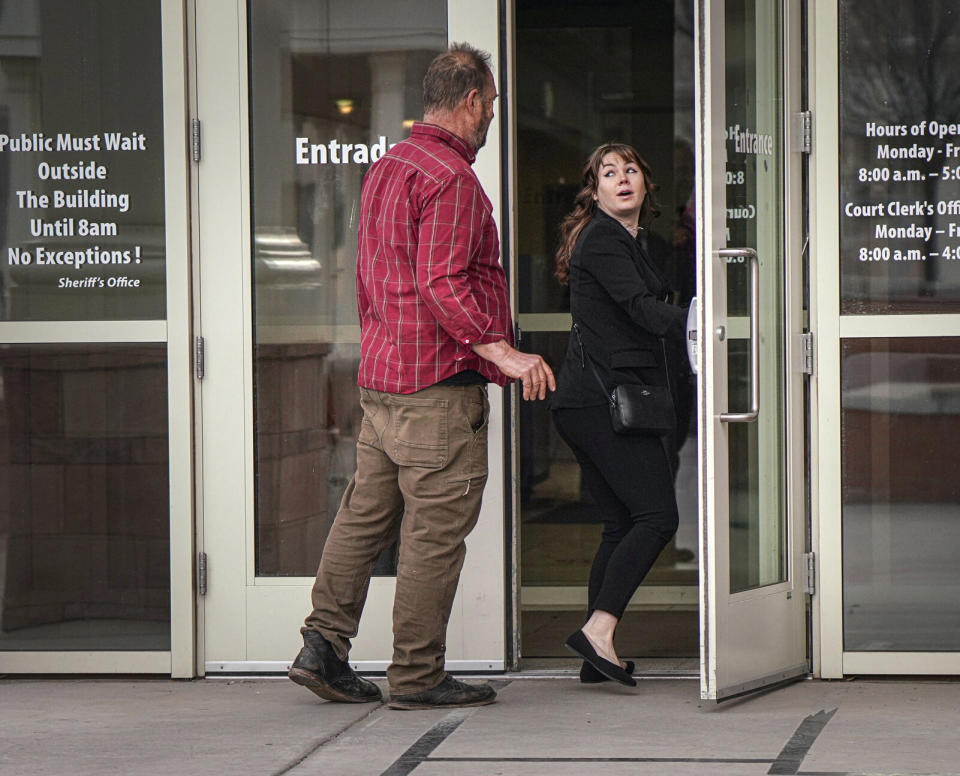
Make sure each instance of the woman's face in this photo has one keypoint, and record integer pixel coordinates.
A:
(620, 188)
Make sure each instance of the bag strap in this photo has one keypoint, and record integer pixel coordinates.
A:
(666, 366)
(593, 368)
(603, 387)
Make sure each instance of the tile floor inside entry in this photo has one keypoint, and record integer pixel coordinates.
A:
(560, 532)
(640, 634)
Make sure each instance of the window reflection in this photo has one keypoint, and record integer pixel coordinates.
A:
(81, 124)
(329, 92)
(901, 493)
(754, 200)
(84, 498)
(897, 63)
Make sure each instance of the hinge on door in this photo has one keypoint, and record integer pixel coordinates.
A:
(806, 351)
(202, 573)
(804, 132)
(195, 139)
(810, 565)
(199, 351)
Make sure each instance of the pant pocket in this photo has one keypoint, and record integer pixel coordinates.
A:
(372, 408)
(420, 428)
(478, 412)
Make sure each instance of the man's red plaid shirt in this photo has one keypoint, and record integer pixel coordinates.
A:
(429, 280)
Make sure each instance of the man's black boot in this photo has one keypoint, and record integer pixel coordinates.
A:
(449, 694)
(318, 668)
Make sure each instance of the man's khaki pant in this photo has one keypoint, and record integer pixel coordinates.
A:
(421, 470)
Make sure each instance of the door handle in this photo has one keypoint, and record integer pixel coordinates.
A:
(754, 261)
(693, 344)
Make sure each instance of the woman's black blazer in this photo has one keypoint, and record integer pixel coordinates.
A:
(618, 300)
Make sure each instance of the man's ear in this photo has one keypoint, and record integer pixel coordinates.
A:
(473, 94)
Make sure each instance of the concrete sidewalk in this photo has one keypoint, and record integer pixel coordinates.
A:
(539, 727)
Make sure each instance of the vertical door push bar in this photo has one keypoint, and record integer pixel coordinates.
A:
(751, 256)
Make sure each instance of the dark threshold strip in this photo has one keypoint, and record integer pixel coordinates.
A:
(729, 760)
(800, 742)
(825, 773)
(421, 748)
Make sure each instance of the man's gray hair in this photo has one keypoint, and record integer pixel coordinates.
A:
(453, 75)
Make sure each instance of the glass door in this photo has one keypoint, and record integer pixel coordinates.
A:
(750, 320)
(95, 373)
(296, 100)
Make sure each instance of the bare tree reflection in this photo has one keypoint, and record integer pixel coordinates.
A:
(897, 68)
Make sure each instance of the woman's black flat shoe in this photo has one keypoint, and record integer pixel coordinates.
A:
(590, 675)
(579, 644)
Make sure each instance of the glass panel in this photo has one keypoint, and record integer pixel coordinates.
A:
(754, 195)
(84, 498)
(81, 161)
(329, 93)
(900, 426)
(899, 157)
(584, 78)
(627, 76)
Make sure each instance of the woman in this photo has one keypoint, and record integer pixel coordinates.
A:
(621, 317)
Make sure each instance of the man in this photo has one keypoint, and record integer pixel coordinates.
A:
(435, 328)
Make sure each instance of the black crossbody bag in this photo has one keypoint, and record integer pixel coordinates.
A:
(637, 408)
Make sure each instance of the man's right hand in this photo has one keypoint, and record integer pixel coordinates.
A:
(533, 372)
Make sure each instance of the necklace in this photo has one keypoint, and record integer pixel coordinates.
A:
(634, 230)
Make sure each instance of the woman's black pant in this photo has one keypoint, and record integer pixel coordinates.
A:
(630, 479)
